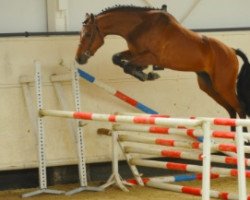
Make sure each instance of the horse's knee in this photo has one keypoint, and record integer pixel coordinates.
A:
(117, 59)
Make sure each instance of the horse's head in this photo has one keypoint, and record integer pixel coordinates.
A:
(90, 39)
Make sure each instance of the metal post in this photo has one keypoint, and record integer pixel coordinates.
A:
(242, 190)
(80, 141)
(40, 141)
(206, 161)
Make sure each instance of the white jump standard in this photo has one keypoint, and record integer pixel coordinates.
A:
(41, 146)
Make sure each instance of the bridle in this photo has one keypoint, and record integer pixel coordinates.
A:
(94, 31)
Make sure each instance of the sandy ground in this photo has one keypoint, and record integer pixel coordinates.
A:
(136, 193)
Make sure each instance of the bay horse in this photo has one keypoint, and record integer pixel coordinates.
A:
(155, 37)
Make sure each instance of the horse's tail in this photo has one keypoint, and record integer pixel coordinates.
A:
(242, 55)
(243, 82)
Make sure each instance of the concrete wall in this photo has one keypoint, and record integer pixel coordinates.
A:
(175, 93)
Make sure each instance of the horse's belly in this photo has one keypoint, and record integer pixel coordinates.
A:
(182, 66)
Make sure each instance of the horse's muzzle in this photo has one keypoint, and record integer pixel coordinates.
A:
(81, 60)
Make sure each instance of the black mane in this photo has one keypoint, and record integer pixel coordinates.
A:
(127, 7)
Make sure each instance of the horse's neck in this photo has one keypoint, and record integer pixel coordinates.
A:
(118, 23)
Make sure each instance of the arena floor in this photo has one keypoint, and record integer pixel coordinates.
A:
(146, 193)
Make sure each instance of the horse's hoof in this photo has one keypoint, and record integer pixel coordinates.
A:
(140, 75)
(152, 76)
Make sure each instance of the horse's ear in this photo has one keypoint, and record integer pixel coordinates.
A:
(86, 19)
(87, 15)
(92, 18)
(164, 7)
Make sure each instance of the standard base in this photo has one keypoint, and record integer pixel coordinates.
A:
(42, 191)
(84, 188)
(115, 179)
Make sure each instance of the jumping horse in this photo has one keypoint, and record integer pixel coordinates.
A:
(155, 37)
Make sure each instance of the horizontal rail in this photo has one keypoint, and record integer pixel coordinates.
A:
(185, 167)
(175, 178)
(178, 143)
(195, 133)
(172, 122)
(228, 121)
(192, 190)
(182, 154)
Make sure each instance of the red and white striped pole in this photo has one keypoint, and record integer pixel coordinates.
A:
(195, 133)
(192, 190)
(171, 122)
(177, 143)
(185, 167)
(182, 154)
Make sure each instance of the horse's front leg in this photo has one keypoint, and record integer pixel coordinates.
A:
(135, 64)
(121, 58)
(138, 63)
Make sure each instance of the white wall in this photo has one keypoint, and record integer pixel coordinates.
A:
(220, 14)
(209, 13)
(22, 15)
(175, 93)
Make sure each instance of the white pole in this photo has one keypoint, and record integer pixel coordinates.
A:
(41, 139)
(206, 161)
(115, 162)
(79, 133)
(242, 191)
(80, 141)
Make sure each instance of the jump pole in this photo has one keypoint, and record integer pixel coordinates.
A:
(186, 167)
(112, 118)
(175, 178)
(175, 143)
(183, 155)
(193, 190)
(140, 106)
(173, 131)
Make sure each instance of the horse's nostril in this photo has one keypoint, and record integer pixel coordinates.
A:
(81, 60)
(77, 60)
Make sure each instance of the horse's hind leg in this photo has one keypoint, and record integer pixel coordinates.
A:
(225, 85)
(205, 84)
(230, 96)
